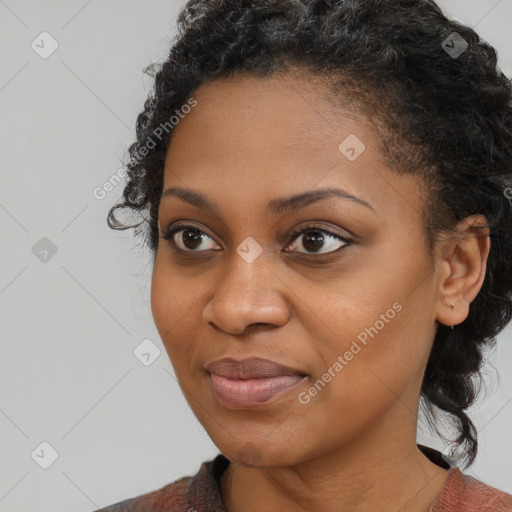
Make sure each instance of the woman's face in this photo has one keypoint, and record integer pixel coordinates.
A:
(354, 312)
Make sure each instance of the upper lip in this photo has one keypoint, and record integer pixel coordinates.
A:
(252, 368)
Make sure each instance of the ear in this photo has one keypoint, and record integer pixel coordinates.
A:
(461, 264)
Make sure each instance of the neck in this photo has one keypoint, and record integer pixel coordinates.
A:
(363, 475)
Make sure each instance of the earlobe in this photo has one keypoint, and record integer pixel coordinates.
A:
(462, 269)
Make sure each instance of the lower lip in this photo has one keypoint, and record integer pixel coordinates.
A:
(252, 392)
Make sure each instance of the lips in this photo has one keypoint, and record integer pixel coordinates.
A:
(253, 368)
(251, 382)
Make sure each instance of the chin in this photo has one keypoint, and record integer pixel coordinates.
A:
(259, 455)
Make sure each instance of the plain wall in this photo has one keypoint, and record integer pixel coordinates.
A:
(70, 324)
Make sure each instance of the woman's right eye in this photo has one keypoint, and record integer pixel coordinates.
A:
(187, 238)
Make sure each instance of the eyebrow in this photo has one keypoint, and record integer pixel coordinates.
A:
(275, 206)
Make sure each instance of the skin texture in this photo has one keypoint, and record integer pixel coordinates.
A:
(352, 447)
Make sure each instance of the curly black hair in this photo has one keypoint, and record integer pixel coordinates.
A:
(443, 111)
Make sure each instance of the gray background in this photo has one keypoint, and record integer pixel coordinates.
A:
(70, 324)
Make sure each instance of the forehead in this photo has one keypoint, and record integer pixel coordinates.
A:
(287, 121)
(251, 137)
(287, 108)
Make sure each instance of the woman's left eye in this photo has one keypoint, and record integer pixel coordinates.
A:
(317, 239)
(320, 238)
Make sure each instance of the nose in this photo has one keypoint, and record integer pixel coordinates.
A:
(249, 295)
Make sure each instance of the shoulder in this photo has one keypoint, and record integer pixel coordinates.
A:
(171, 497)
(481, 497)
(198, 493)
(465, 493)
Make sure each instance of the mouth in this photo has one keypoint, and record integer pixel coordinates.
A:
(251, 382)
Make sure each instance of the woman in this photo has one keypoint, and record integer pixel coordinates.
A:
(327, 184)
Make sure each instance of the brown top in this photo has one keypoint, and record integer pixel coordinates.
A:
(202, 492)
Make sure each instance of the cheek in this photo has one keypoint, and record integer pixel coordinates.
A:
(162, 301)
(172, 296)
(366, 346)
(378, 365)
(168, 305)
(175, 308)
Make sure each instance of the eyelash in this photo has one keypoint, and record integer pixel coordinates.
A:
(171, 231)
